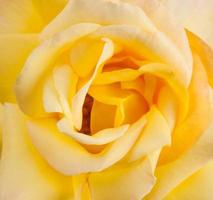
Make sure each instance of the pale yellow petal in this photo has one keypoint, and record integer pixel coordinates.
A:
(78, 99)
(81, 188)
(69, 157)
(19, 16)
(205, 53)
(102, 12)
(194, 15)
(139, 29)
(131, 181)
(49, 9)
(198, 186)
(173, 173)
(200, 105)
(168, 105)
(102, 137)
(116, 76)
(84, 56)
(166, 22)
(51, 101)
(23, 173)
(163, 71)
(30, 83)
(152, 45)
(14, 50)
(155, 136)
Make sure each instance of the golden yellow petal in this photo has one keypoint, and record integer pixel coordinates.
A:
(198, 186)
(19, 16)
(78, 99)
(155, 136)
(173, 173)
(69, 157)
(14, 50)
(23, 172)
(40, 63)
(124, 182)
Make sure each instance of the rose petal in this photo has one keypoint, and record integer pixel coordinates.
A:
(195, 15)
(102, 137)
(108, 112)
(30, 83)
(205, 53)
(152, 45)
(168, 105)
(50, 97)
(23, 173)
(66, 85)
(130, 106)
(69, 157)
(144, 31)
(102, 12)
(155, 135)
(200, 104)
(132, 181)
(173, 173)
(78, 99)
(198, 186)
(14, 49)
(166, 22)
(84, 56)
(19, 16)
(49, 9)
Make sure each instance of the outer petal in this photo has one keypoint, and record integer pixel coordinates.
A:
(30, 82)
(14, 49)
(19, 16)
(199, 186)
(120, 13)
(200, 104)
(23, 173)
(69, 157)
(27, 16)
(195, 15)
(129, 182)
(173, 173)
(166, 23)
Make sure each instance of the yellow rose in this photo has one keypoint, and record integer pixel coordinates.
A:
(113, 100)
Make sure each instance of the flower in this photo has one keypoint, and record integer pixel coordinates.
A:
(112, 100)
